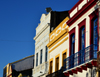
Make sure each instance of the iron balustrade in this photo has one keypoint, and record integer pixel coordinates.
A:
(54, 74)
(81, 57)
(58, 73)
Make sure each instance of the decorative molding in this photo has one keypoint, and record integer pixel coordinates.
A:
(57, 38)
(58, 44)
(62, 26)
(82, 11)
(41, 31)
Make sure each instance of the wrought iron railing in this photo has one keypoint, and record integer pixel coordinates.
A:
(53, 74)
(81, 57)
(58, 73)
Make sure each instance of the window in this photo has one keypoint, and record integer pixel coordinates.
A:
(82, 44)
(57, 64)
(51, 66)
(46, 53)
(71, 48)
(81, 41)
(72, 44)
(41, 56)
(93, 28)
(64, 57)
(95, 34)
(37, 59)
(82, 38)
(71, 41)
(81, 34)
(95, 37)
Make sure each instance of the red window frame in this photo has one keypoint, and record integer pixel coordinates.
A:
(70, 33)
(92, 17)
(80, 25)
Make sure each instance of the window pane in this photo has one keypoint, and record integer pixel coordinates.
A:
(95, 37)
(82, 38)
(51, 64)
(57, 63)
(37, 59)
(73, 44)
(64, 57)
(46, 53)
(41, 56)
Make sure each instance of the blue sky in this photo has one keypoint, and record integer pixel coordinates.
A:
(18, 20)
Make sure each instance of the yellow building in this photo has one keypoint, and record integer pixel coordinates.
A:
(58, 46)
(20, 68)
(7, 71)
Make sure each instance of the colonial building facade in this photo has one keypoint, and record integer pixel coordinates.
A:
(41, 50)
(67, 43)
(48, 23)
(58, 49)
(84, 33)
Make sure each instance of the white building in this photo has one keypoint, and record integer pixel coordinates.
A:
(48, 22)
(41, 50)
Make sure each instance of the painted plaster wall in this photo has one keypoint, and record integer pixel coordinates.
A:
(59, 50)
(45, 18)
(41, 40)
(78, 8)
(88, 73)
(75, 25)
(73, 12)
(82, 4)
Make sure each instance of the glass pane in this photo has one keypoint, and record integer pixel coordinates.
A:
(95, 38)
(72, 45)
(41, 57)
(82, 38)
(37, 59)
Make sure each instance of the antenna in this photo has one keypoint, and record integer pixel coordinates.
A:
(48, 9)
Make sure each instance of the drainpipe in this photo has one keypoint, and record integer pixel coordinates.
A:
(98, 53)
(99, 22)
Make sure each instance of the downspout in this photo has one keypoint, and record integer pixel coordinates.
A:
(98, 7)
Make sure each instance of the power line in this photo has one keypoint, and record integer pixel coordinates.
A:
(15, 40)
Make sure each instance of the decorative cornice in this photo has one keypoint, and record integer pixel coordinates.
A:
(58, 44)
(57, 38)
(82, 11)
(41, 31)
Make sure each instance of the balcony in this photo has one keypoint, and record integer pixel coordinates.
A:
(41, 68)
(86, 57)
(58, 73)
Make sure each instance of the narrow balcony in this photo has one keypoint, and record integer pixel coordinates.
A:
(86, 57)
(41, 69)
(58, 73)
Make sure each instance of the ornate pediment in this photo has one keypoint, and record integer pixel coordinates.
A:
(43, 17)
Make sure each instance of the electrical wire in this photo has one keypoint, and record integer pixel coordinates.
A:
(15, 40)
